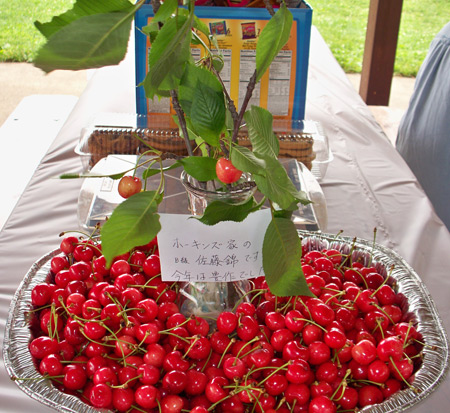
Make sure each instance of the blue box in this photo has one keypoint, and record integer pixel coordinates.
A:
(282, 91)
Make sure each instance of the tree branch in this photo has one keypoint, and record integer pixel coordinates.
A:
(182, 121)
(250, 87)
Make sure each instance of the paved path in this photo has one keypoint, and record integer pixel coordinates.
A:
(18, 80)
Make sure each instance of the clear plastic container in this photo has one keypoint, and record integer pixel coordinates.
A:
(129, 134)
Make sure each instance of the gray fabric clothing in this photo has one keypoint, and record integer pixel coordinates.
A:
(424, 133)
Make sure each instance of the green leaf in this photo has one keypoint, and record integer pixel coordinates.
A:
(245, 160)
(168, 55)
(273, 37)
(164, 12)
(82, 8)
(259, 123)
(276, 184)
(200, 167)
(282, 252)
(201, 26)
(134, 222)
(88, 42)
(219, 211)
(208, 113)
(192, 77)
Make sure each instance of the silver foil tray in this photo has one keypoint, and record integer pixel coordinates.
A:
(421, 309)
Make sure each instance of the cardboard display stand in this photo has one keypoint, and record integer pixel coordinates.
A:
(282, 90)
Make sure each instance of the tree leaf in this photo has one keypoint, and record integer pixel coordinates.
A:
(88, 42)
(208, 113)
(164, 12)
(200, 167)
(245, 160)
(259, 123)
(276, 184)
(201, 26)
(282, 252)
(82, 8)
(273, 37)
(192, 76)
(219, 211)
(168, 55)
(134, 222)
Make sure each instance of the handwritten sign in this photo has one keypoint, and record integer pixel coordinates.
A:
(228, 251)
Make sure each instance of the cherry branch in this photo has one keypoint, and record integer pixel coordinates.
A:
(237, 124)
(182, 120)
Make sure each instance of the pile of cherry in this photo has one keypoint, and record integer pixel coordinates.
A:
(116, 339)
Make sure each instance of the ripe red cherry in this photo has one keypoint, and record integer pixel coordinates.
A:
(129, 185)
(226, 171)
(68, 244)
(321, 404)
(369, 395)
(41, 294)
(43, 346)
(147, 396)
(74, 377)
(390, 347)
(234, 367)
(227, 322)
(364, 352)
(122, 399)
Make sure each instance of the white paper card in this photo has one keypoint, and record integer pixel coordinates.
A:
(228, 251)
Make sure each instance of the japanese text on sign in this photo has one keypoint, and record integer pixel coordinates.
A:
(228, 251)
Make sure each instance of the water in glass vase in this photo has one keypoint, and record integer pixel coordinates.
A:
(209, 299)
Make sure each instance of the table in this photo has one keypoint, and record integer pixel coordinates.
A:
(366, 186)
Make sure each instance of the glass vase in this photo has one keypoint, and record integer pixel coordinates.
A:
(209, 299)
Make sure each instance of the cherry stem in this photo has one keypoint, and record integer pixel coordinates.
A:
(283, 367)
(245, 345)
(344, 385)
(225, 351)
(414, 389)
(196, 338)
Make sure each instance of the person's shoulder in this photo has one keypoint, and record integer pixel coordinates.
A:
(444, 34)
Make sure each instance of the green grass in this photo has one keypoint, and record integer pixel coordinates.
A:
(19, 39)
(341, 22)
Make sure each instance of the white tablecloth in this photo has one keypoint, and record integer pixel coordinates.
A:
(366, 186)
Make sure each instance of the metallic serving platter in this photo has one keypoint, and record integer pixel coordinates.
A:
(420, 308)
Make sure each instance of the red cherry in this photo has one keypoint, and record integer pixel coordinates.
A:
(321, 404)
(147, 396)
(234, 368)
(119, 267)
(122, 399)
(68, 244)
(226, 171)
(83, 252)
(74, 377)
(51, 365)
(215, 390)
(43, 346)
(196, 383)
(227, 322)
(378, 371)
(276, 384)
(298, 372)
(369, 395)
(390, 347)
(174, 381)
(152, 266)
(129, 185)
(364, 352)
(41, 294)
